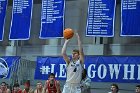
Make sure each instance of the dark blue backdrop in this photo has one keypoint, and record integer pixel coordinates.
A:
(100, 68)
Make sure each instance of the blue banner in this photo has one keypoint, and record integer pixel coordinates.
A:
(3, 7)
(52, 19)
(101, 16)
(130, 18)
(99, 68)
(6, 63)
(21, 19)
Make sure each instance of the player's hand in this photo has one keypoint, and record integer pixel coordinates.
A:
(77, 35)
(67, 40)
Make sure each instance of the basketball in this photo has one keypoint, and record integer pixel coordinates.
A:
(68, 33)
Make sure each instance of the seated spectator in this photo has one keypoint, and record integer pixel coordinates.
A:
(16, 88)
(27, 88)
(39, 88)
(114, 88)
(52, 85)
(85, 83)
(137, 90)
(3, 88)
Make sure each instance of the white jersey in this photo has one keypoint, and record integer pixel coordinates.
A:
(74, 72)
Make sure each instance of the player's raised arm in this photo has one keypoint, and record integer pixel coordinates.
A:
(63, 51)
(81, 53)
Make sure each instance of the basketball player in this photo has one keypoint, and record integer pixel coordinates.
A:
(27, 87)
(16, 88)
(3, 88)
(39, 88)
(85, 83)
(52, 85)
(137, 90)
(74, 67)
(114, 88)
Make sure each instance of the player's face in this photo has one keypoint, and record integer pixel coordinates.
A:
(75, 55)
(3, 86)
(16, 89)
(137, 89)
(39, 85)
(51, 78)
(113, 89)
(27, 86)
